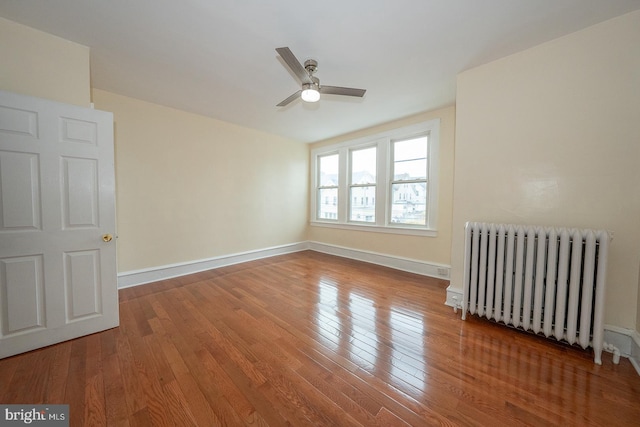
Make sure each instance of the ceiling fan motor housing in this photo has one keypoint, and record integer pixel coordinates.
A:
(311, 65)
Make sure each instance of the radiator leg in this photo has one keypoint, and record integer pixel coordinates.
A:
(597, 359)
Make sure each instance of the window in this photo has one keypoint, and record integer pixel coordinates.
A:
(409, 181)
(362, 187)
(386, 182)
(327, 187)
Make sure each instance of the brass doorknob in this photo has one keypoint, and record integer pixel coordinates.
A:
(107, 237)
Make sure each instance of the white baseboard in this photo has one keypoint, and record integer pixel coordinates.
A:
(440, 271)
(139, 277)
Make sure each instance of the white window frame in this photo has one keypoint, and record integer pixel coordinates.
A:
(383, 141)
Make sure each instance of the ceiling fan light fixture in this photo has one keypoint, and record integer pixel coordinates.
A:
(310, 93)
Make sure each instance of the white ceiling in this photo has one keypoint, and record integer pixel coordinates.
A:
(217, 57)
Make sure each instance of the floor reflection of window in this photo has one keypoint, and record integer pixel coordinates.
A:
(407, 354)
(364, 340)
(327, 319)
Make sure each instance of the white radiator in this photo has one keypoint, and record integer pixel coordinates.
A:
(546, 280)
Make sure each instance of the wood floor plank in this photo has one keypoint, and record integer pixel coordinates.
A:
(312, 339)
(13, 392)
(175, 379)
(58, 373)
(75, 390)
(178, 405)
(133, 391)
(9, 368)
(387, 418)
(182, 349)
(114, 392)
(95, 408)
(150, 382)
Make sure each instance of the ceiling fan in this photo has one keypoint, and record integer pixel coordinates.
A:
(311, 88)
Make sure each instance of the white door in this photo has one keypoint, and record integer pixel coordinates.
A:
(57, 212)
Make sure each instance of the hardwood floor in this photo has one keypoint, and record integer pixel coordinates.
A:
(311, 339)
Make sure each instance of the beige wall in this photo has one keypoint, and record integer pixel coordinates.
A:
(427, 249)
(550, 136)
(191, 188)
(39, 64)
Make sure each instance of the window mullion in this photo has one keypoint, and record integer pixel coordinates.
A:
(381, 185)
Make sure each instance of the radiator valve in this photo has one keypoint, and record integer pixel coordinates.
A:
(613, 349)
(456, 303)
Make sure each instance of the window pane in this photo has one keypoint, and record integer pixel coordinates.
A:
(328, 169)
(363, 204)
(409, 204)
(410, 159)
(328, 203)
(363, 166)
(410, 170)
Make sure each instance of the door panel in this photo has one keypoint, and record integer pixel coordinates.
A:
(19, 122)
(82, 284)
(23, 292)
(57, 199)
(78, 131)
(19, 191)
(79, 193)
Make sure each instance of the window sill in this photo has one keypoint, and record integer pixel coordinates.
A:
(377, 229)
